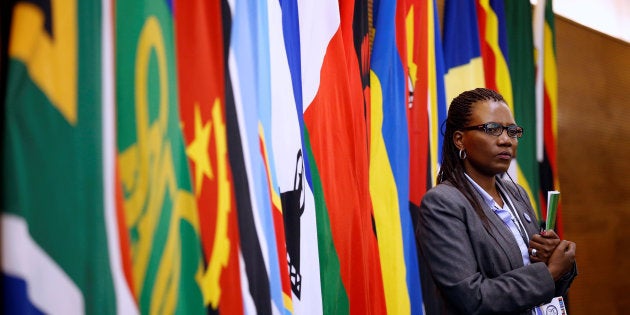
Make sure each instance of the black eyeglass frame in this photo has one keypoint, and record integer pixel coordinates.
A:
(513, 131)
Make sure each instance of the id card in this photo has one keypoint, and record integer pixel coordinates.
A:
(555, 307)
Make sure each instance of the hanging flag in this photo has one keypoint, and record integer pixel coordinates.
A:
(298, 205)
(493, 44)
(334, 298)
(389, 162)
(260, 219)
(425, 102)
(271, 61)
(159, 202)
(522, 73)
(547, 104)
(462, 52)
(200, 65)
(438, 106)
(333, 103)
(417, 30)
(62, 251)
(493, 31)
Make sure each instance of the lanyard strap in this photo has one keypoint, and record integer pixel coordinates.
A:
(515, 217)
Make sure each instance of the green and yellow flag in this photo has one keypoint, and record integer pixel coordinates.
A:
(159, 205)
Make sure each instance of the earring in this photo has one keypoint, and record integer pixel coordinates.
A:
(462, 154)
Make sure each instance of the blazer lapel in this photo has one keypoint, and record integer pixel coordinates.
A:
(502, 234)
(527, 217)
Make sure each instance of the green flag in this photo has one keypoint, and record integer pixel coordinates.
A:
(159, 204)
(522, 72)
(55, 256)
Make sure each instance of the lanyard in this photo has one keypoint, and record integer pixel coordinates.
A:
(515, 217)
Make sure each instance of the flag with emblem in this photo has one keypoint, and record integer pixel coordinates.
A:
(62, 250)
(298, 205)
(201, 81)
(159, 202)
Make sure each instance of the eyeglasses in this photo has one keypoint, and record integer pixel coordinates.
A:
(496, 129)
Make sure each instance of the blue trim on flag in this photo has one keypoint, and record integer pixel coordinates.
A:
(291, 32)
(461, 33)
(250, 46)
(440, 71)
(498, 7)
(15, 297)
(388, 67)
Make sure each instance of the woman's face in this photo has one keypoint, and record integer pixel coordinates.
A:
(487, 155)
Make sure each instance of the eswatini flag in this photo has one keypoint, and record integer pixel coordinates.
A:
(201, 80)
(62, 251)
(333, 103)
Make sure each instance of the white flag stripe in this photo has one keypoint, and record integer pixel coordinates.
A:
(287, 142)
(125, 303)
(319, 21)
(49, 287)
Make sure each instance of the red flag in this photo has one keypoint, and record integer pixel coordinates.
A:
(201, 77)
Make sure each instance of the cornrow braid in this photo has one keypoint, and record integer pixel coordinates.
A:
(452, 168)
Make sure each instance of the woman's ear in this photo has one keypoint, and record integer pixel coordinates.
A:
(458, 139)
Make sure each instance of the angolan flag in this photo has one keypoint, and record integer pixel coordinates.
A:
(201, 80)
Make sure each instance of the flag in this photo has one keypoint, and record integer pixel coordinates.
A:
(333, 104)
(522, 73)
(298, 205)
(547, 104)
(494, 50)
(417, 30)
(438, 106)
(62, 251)
(462, 52)
(425, 68)
(159, 203)
(258, 201)
(389, 162)
(333, 295)
(201, 83)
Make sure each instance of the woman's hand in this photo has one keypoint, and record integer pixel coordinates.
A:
(542, 245)
(562, 259)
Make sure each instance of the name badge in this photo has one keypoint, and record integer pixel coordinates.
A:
(555, 307)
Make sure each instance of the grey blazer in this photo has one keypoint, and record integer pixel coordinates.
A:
(469, 269)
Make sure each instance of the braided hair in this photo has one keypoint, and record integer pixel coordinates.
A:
(452, 168)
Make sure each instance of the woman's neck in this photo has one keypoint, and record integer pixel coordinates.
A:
(488, 183)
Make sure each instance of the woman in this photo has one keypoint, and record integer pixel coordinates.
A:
(477, 233)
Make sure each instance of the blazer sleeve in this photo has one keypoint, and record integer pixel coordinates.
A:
(446, 233)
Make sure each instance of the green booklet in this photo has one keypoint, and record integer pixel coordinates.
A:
(552, 207)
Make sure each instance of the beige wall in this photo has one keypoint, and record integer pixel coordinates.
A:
(594, 164)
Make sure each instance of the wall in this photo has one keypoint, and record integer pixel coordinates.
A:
(593, 162)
